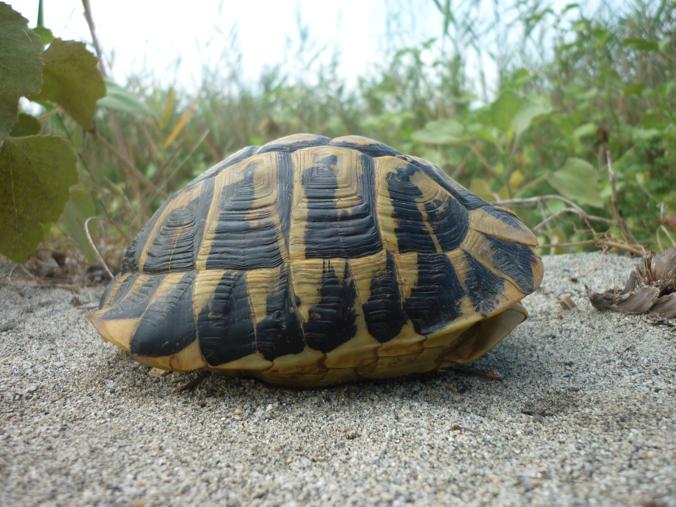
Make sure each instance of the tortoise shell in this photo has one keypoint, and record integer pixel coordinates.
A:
(313, 261)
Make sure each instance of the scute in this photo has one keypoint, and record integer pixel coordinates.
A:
(311, 261)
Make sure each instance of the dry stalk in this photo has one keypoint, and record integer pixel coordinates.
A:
(630, 244)
(92, 30)
(572, 208)
(138, 178)
(131, 169)
(613, 203)
(559, 213)
(601, 243)
(481, 158)
(163, 184)
(96, 250)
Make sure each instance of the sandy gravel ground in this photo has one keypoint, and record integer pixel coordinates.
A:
(584, 415)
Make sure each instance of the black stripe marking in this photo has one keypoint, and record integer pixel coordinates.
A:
(297, 145)
(483, 286)
(167, 325)
(200, 208)
(280, 332)
(129, 260)
(504, 216)
(412, 236)
(176, 244)
(465, 197)
(172, 247)
(469, 200)
(435, 300)
(231, 160)
(106, 293)
(383, 311)
(449, 221)
(106, 300)
(142, 237)
(332, 321)
(515, 260)
(344, 233)
(134, 303)
(225, 327)
(372, 150)
(285, 192)
(245, 236)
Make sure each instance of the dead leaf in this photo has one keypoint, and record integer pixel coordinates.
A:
(650, 288)
(566, 301)
(666, 305)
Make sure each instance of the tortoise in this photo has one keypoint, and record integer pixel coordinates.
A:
(312, 261)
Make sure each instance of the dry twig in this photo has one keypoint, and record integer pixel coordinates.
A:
(131, 169)
(96, 250)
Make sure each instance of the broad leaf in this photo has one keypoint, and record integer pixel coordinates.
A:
(513, 114)
(36, 173)
(121, 100)
(504, 109)
(577, 180)
(78, 209)
(72, 80)
(529, 110)
(20, 65)
(516, 179)
(480, 187)
(45, 34)
(588, 129)
(440, 132)
(26, 125)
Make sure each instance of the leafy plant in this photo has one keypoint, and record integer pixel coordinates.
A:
(38, 170)
(577, 130)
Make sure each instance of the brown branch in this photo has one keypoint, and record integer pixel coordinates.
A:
(601, 243)
(92, 30)
(541, 199)
(575, 211)
(481, 158)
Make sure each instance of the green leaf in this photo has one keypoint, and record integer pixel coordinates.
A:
(20, 65)
(640, 134)
(123, 101)
(45, 34)
(26, 125)
(503, 110)
(511, 113)
(78, 209)
(577, 180)
(36, 173)
(641, 44)
(529, 110)
(480, 187)
(588, 129)
(72, 80)
(440, 132)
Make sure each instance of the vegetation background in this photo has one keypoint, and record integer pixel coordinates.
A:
(578, 132)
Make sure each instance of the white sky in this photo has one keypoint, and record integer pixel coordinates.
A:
(170, 40)
(152, 36)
